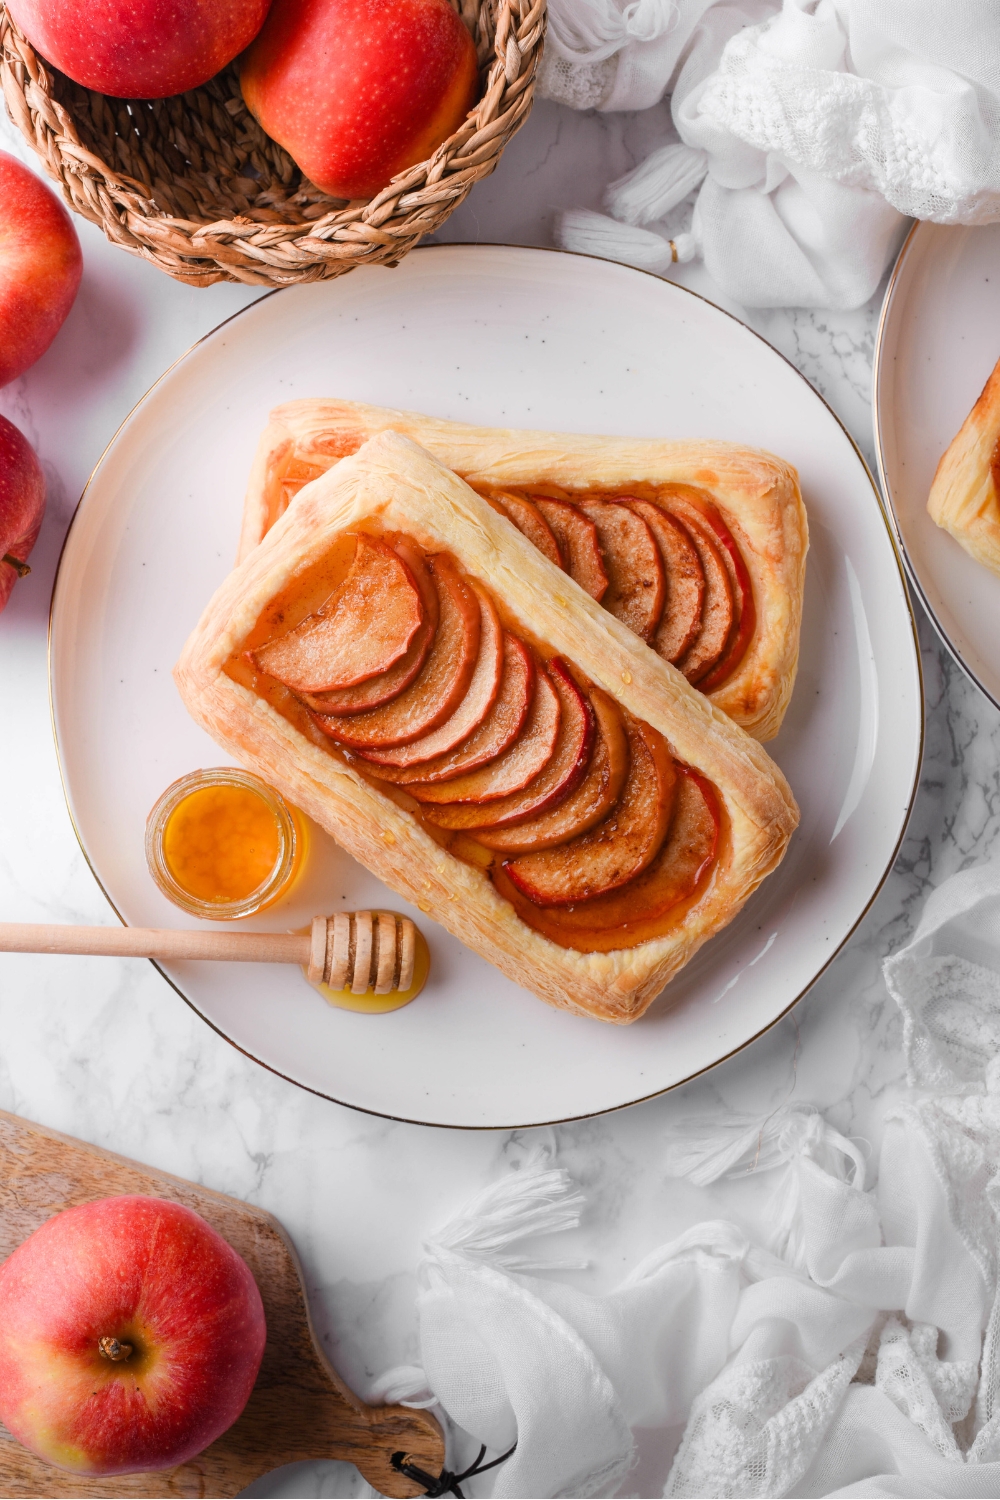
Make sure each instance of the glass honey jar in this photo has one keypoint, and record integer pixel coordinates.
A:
(222, 844)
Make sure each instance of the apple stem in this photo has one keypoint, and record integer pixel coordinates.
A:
(21, 568)
(113, 1349)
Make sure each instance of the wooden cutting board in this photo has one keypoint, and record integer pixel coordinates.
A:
(299, 1408)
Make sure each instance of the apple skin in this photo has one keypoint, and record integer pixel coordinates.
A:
(40, 267)
(358, 90)
(139, 49)
(22, 503)
(149, 1273)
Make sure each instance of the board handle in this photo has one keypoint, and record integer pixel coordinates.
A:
(413, 1437)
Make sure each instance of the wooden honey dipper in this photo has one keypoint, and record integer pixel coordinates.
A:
(359, 950)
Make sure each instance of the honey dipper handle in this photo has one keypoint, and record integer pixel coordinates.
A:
(151, 942)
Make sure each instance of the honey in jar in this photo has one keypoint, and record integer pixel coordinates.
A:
(222, 844)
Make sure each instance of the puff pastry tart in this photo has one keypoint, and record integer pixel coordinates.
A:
(965, 495)
(698, 547)
(427, 685)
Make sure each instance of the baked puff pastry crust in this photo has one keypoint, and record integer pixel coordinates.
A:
(965, 495)
(756, 494)
(391, 485)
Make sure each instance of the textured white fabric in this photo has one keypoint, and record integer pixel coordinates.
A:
(818, 125)
(856, 1352)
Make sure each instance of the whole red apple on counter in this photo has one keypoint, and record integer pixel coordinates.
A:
(40, 267)
(131, 1334)
(358, 90)
(22, 505)
(139, 49)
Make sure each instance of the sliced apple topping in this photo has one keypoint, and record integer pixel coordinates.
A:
(388, 685)
(575, 808)
(621, 846)
(680, 621)
(635, 912)
(528, 519)
(576, 535)
(364, 628)
(495, 734)
(635, 590)
(593, 799)
(740, 586)
(439, 686)
(717, 610)
(515, 768)
(472, 708)
(561, 774)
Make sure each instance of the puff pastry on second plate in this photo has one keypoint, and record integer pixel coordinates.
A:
(755, 495)
(260, 675)
(965, 495)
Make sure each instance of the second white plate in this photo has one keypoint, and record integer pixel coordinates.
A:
(938, 340)
(522, 338)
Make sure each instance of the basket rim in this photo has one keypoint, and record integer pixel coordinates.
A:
(272, 249)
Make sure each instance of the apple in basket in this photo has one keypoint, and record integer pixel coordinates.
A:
(131, 1334)
(358, 90)
(40, 267)
(145, 49)
(22, 504)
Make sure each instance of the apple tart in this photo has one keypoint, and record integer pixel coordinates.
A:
(965, 495)
(697, 547)
(425, 683)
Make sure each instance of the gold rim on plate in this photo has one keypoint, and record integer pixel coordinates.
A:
(698, 1072)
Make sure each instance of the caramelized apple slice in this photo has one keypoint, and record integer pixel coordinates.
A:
(593, 799)
(717, 610)
(621, 846)
(561, 775)
(530, 522)
(440, 685)
(635, 591)
(382, 689)
(740, 586)
(498, 730)
(526, 758)
(681, 617)
(362, 629)
(637, 911)
(577, 538)
(472, 709)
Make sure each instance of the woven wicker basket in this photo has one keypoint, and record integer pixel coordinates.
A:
(193, 184)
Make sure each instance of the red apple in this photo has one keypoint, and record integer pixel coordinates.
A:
(358, 90)
(130, 1337)
(22, 505)
(139, 49)
(40, 267)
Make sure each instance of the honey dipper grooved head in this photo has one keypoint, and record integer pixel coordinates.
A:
(363, 950)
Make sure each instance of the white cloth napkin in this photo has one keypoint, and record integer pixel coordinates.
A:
(814, 128)
(857, 1352)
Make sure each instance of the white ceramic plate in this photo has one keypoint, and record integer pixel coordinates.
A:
(518, 337)
(938, 340)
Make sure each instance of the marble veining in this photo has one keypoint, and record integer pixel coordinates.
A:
(107, 1051)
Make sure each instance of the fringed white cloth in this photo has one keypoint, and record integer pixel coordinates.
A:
(813, 127)
(855, 1352)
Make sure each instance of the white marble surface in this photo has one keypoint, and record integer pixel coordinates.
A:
(107, 1051)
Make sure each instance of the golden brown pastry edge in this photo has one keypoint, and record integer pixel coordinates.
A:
(963, 498)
